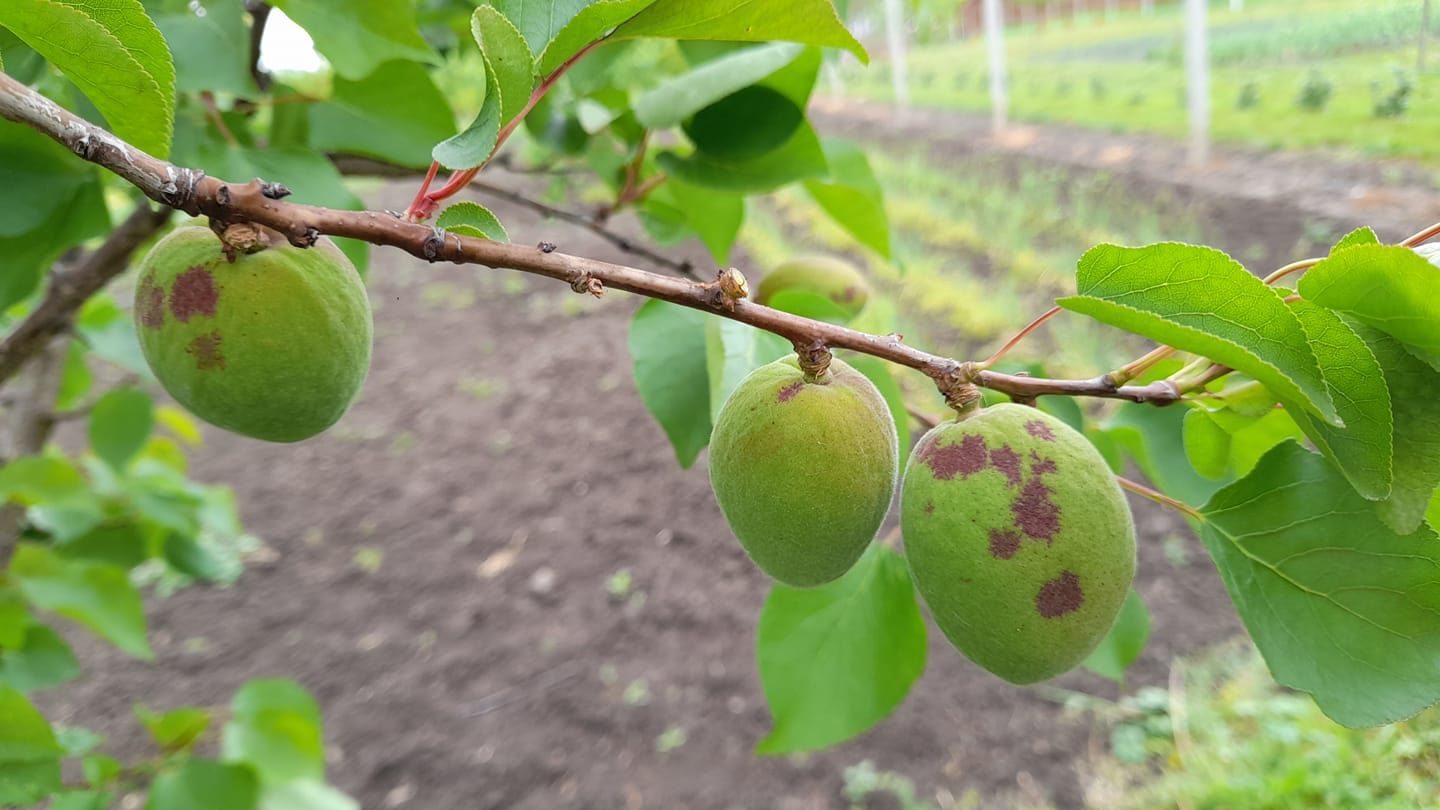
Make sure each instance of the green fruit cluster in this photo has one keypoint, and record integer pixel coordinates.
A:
(1019, 540)
(273, 345)
(1017, 535)
(804, 470)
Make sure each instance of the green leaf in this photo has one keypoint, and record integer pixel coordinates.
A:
(274, 726)
(770, 119)
(186, 555)
(1363, 449)
(123, 544)
(1200, 300)
(474, 146)
(1254, 439)
(119, 426)
(1388, 287)
(1122, 645)
(201, 783)
(1154, 438)
(808, 304)
(716, 216)
(75, 378)
(1207, 445)
(1432, 515)
(97, 595)
(37, 480)
(813, 22)
(38, 179)
(1359, 236)
(798, 158)
(25, 734)
(395, 114)
(837, 659)
(1414, 390)
(211, 47)
(42, 660)
(306, 794)
(358, 36)
(472, 219)
(174, 730)
(100, 768)
(81, 800)
(539, 21)
(592, 23)
(507, 57)
(667, 342)
(852, 196)
(1339, 605)
(113, 52)
(679, 97)
(732, 351)
(109, 332)
(29, 753)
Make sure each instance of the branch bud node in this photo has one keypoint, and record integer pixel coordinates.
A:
(732, 283)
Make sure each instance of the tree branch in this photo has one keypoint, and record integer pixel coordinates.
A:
(31, 421)
(72, 284)
(259, 13)
(191, 191)
(355, 164)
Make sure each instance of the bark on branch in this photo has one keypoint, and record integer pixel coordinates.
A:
(71, 285)
(189, 190)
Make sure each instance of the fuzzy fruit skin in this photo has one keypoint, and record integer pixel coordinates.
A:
(1018, 538)
(274, 346)
(831, 278)
(804, 472)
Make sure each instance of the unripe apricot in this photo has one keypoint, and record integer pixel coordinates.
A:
(274, 345)
(1018, 538)
(804, 471)
(825, 276)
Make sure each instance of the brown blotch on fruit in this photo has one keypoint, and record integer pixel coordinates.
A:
(930, 508)
(206, 349)
(1039, 430)
(1004, 543)
(194, 294)
(966, 458)
(1041, 466)
(150, 304)
(788, 392)
(1059, 596)
(1035, 513)
(1008, 462)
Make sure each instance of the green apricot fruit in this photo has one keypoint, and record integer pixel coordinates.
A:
(804, 471)
(1018, 538)
(274, 345)
(825, 276)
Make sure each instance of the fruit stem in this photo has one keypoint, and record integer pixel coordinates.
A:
(1019, 336)
(1160, 498)
(814, 360)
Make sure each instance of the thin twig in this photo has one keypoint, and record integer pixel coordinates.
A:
(217, 120)
(71, 285)
(1140, 365)
(1019, 336)
(1160, 498)
(1423, 236)
(684, 267)
(259, 14)
(191, 191)
(1293, 267)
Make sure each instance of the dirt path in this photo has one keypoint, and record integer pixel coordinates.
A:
(1244, 191)
(441, 564)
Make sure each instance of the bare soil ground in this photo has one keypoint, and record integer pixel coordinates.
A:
(500, 468)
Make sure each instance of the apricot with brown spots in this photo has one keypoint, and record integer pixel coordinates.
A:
(825, 276)
(273, 345)
(804, 471)
(1018, 538)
